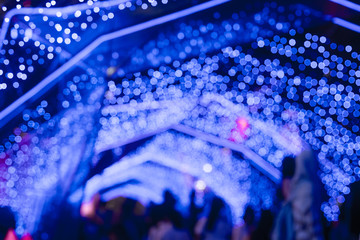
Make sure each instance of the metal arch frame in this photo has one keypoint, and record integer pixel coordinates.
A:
(347, 4)
(126, 164)
(140, 192)
(349, 25)
(258, 162)
(343, 23)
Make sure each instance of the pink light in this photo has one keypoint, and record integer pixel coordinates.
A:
(241, 131)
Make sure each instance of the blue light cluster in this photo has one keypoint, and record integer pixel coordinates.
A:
(44, 38)
(193, 38)
(36, 156)
(331, 126)
(301, 103)
(9, 5)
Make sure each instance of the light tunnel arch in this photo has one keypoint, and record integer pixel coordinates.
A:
(337, 174)
(176, 114)
(228, 178)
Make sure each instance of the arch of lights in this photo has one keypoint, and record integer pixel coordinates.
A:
(192, 160)
(281, 82)
(196, 153)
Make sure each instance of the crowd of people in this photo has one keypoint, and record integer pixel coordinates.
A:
(164, 221)
(297, 217)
